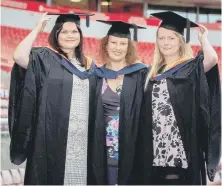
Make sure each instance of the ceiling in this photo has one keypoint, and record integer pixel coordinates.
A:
(91, 5)
(188, 3)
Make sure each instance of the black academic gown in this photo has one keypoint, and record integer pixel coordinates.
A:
(130, 107)
(39, 108)
(196, 100)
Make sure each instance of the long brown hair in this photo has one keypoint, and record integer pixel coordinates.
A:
(53, 42)
(131, 51)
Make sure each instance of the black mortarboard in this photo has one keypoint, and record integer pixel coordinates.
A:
(122, 29)
(175, 22)
(70, 17)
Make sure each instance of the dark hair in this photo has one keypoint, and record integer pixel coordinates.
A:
(53, 41)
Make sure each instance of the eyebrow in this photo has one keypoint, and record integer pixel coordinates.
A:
(120, 41)
(68, 30)
(166, 36)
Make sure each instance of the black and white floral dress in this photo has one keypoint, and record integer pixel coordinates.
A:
(167, 143)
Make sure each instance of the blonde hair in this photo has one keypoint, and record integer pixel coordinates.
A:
(158, 60)
(131, 52)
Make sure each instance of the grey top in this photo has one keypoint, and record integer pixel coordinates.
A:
(76, 152)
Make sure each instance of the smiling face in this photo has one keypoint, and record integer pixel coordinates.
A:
(117, 48)
(69, 36)
(168, 42)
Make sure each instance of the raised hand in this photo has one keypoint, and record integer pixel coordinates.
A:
(42, 22)
(203, 33)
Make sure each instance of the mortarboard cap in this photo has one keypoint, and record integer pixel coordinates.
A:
(122, 29)
(175, 22)
(70, 17)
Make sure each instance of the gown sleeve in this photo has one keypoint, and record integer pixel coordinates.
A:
(22, 109)
(210, 115)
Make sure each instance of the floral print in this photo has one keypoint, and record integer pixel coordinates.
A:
(167, 143)
(111, 106)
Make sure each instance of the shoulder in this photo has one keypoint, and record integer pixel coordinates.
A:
(195, 60)
(143, 68)
(40, 58)
(39, 50)
(191, 67)
(40, 53)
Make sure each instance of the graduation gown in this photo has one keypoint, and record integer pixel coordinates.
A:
(196, 100)
(130, 103)
(39, 108)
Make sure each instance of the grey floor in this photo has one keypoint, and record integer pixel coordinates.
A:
(5, 159)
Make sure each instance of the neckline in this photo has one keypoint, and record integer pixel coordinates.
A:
(104, 79)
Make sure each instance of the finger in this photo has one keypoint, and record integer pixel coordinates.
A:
(203, 28)
(201, 31)
(45, 19)
(45, 13)
(44, 24)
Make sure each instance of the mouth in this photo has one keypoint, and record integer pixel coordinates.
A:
(70, 40)
(166, 48)
(117, 53)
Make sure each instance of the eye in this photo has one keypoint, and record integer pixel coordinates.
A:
(161, 38)
(64, 32)
(74, 31)
(171, 38)
(123, 44)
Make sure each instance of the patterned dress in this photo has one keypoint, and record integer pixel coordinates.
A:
(167, 143)
(111, 106)
(76, 152)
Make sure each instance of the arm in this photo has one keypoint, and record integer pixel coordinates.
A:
(210, 55)
(22, 51)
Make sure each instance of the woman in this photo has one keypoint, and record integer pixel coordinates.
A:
(181, 111)
(117, 108)
(49, 104)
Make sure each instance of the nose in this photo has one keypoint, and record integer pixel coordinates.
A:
(118, 46)
(166, 42)
(70, 35)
